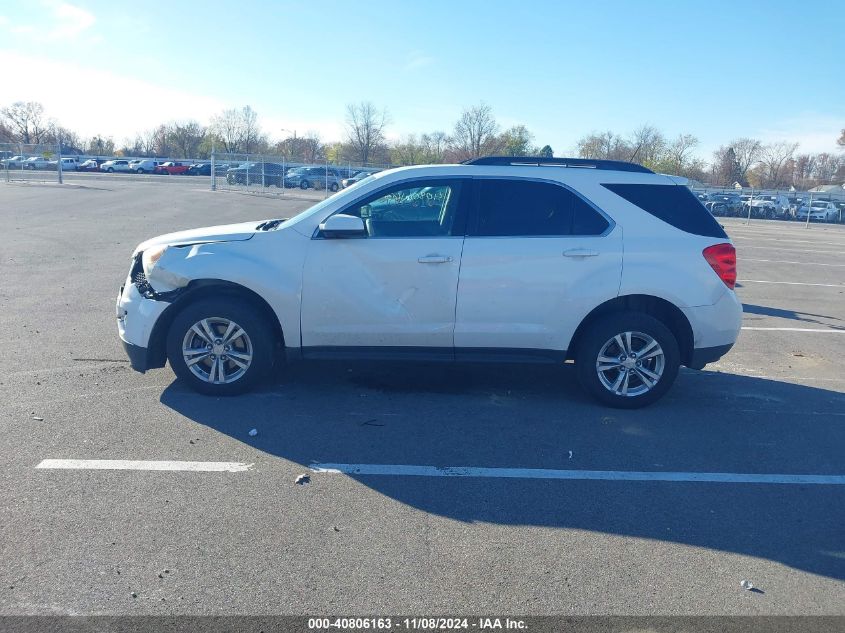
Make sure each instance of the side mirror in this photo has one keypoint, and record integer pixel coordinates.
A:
(343, 226)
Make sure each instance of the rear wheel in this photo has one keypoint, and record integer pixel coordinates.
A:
(220, 347)
(304, 184)
(628, 360)
(334, 186)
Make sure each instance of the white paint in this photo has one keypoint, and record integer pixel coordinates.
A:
(130, 464)
(781, 261)
(794, 329)
(797, 250)
(789, 283)
(778, 239)
(578, 475)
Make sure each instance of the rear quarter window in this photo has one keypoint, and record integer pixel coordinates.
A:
(674, 204)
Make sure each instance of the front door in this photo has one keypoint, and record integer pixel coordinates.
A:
(394, 290)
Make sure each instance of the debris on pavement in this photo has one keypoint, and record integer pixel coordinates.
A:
(570, 454)
(302, 480)
(253, 432)
(134, 595)
(37, 418)
(746, 584)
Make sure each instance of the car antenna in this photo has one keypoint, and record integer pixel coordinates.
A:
(634, 155)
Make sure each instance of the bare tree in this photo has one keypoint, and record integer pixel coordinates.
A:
(773, 159)
(26, 120)
(679, 152)
(186, 138)
(476, 133)
(841, 140)
(825, 168)
(365, 126)
(434, 146)
(517, 141)
(227, 128)
(648, 145)
(604, 145)
(747, 152)
(100, 146)
(725, 168)
(408, 151)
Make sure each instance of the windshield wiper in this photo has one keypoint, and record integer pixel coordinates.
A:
(269, 225)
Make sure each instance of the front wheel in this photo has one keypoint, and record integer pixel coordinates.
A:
(220, 347)
(304, 184)
(628, 360)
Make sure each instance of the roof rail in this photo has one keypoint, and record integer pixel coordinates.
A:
(584, 163)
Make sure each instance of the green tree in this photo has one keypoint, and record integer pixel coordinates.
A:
(546, 151)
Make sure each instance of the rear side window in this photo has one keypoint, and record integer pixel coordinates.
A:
(530, 208)
(674, 204)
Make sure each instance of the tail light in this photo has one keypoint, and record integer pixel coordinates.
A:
(722, 258)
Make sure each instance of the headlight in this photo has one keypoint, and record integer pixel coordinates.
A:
(150, 257)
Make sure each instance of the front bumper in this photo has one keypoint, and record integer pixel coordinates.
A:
(138, 357)
(136, 318)
(704, 355)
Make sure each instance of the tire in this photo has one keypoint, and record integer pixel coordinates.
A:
(255, 347)
(644, 330)
(304, 184)
(110, 170)
(334, 187)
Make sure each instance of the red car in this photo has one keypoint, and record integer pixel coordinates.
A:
(170, 168)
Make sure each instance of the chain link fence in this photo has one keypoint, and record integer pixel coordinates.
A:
(32, 162)
(276, 175)
(774, 204)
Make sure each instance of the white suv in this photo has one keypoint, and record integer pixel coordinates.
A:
(500, 259)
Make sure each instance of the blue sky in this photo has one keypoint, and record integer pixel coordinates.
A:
(769, 69)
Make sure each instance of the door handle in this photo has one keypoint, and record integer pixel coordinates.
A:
(580, 252)
(434, 259)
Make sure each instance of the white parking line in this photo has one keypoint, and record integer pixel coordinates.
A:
(789, 283)
(782, 261)
(591, 475)
(779, 239)
(130, 464)
(818, 330)
(796, 250)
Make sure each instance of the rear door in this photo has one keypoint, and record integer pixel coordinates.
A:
(537, 258)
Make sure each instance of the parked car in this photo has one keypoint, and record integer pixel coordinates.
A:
(89, 165)
(767, 206)
(13, 162)
(171, 168)
(204, 169)
(403, 266)
(357, 177)
(143, 165)
(265, 174)
(36, 162)
(313, 178)
(723, 204)
(819, 211)
(68, 164)
(118, 165)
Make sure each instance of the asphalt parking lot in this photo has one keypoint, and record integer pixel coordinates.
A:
(252, 541)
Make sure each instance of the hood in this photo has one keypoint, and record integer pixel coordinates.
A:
(224, 233)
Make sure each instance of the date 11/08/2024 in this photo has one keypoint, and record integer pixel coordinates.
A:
(416, 624)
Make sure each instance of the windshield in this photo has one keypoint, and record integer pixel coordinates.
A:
(348, 193)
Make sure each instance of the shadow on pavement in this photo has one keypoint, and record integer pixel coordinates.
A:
(532, 417)
(749, 308)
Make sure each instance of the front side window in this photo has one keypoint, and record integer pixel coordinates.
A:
(531, 208)
(419, 209)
